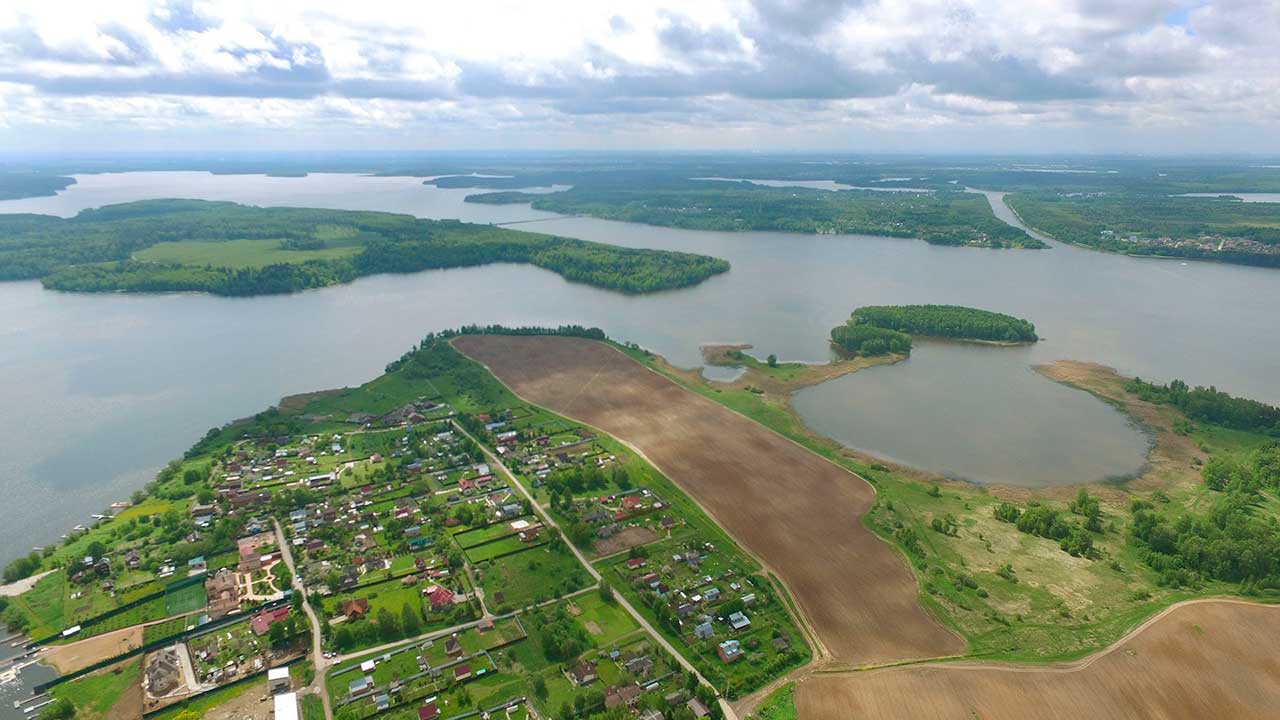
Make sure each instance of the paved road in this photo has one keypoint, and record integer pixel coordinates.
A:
(317, 653)
(495, 461)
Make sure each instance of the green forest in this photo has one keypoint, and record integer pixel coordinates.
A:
(229, 249)
(941, 217)
(1210, 405)
(23, 184)
(1106, 220)
(868, 340)
(950, 321)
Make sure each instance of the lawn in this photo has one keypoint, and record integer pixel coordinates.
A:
(243, 253)
(530, 577)
(509, 546)
(186, 599)
(93, 695)
(780, 705)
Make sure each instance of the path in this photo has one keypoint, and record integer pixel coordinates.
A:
(317, 652)
(18, 587)
(550, 522)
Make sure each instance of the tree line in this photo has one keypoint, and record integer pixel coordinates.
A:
(1210, 405)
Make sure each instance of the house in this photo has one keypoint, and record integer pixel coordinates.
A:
(461, 672)
(262, 622)
(197, 565)
(632, 502)
(359, 686)
(635, 563)
(224, 594)
(711, 594)
(163, 672)
(428, 711)
(452, 647)
(729, 650)
(278, 680)
(102, 567)
(627, 695)
(704, 630)
(485, 625)
(652, 715)
(749, 599)
(640, 666)
(441, 598)
(583, 674)
(286, 706)
(738, 621)
(132, 559)
(355, 608)
(697, 708)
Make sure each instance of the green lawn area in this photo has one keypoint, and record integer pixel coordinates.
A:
(187, 599)
(472, 538)
(243, 253)
(168, 628)
(609, 619)
(780, 705)
(312, 708)
(530, 577)
(202, 704)
(93, 695)
(505, 546)
(43, 605)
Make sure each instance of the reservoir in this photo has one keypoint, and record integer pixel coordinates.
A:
(99, 391)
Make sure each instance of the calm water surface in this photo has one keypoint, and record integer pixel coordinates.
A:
(98, 391)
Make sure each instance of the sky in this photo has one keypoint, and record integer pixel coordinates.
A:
(1159, 76)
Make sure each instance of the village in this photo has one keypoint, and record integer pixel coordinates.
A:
(439, 588)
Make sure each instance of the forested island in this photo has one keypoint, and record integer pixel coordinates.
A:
(1202, 228)
(942, 217)
(882, 329)
(31, 184)
(948, 321)
(230, 249)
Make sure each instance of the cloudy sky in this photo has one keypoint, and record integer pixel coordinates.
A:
(862, 75)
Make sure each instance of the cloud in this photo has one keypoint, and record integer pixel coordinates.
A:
(813, 69)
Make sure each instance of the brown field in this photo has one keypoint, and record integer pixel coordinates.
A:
(69, 658)
(625, 540)
(1208, 659)
(800, 514)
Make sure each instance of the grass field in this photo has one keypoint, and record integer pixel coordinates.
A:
(780, 705)
(505, 546)
(530, 577)
(186, 599)
(245, 253)
(95, 694)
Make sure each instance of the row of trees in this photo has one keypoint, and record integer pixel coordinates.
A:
(951, 321)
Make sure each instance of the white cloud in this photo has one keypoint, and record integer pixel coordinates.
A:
(491, 73)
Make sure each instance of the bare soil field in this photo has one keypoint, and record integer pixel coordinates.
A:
(1207, 659)
(625, 540)
(799, 513)
(69, 658)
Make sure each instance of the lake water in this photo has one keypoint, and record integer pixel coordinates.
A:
(1246, 197)
(829, 185)
(99, 391)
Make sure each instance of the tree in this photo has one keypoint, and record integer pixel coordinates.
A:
(606, 593)
(540, 687)
(59, 709)
(410, 620)
(772, 360)
(344, 639)
(277, 634)
(388, 627)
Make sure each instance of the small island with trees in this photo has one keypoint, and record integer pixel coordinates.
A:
(883, 329)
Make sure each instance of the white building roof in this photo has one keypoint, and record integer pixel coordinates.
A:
(287, 706)
(280, 673)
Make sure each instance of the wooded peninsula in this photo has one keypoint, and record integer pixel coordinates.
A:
(943, 217)
(230, 249)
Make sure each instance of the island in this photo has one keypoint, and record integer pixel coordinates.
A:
(225, 248)
(947, 321)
